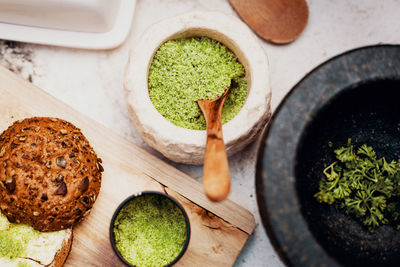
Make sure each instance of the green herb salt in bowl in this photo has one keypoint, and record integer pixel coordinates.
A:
(197, 56)
(150, 229)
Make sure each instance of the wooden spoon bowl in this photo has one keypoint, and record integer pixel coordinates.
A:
(277, 21)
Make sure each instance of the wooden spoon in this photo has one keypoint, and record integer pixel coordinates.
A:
(216, 177)
(278, 21)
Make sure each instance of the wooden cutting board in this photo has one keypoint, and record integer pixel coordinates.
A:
(219, 230)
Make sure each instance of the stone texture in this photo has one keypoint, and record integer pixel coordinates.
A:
(185, 145)
(296, 150)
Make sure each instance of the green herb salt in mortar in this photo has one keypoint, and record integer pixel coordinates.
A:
(189, 69)
(150, 230)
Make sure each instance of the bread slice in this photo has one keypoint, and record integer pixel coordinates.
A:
(62, 254)
(48, 249)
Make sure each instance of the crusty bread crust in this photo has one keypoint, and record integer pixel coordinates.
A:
(62, 254)
(49, 174)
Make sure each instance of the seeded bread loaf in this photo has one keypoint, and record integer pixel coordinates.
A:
(49, 174)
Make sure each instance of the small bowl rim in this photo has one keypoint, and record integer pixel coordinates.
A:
(142, 193)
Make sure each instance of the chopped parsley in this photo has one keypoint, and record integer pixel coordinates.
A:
(363, 185)
(189, 69)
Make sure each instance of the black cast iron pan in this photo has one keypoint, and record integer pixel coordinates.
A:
(354, 95)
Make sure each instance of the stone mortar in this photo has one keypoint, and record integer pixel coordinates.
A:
(185, 145)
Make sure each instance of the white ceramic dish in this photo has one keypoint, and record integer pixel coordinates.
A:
(89, 24)
(184, 145)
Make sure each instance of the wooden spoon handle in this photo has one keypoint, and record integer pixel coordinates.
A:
(216, 177)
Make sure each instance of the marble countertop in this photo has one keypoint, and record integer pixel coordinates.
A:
(91, 81)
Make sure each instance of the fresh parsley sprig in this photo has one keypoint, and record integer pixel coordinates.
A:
(363, 186)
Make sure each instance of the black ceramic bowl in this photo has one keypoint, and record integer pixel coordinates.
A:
(112, 237)
(354, 95)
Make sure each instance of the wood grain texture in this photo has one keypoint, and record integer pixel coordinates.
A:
(277, 21)
(219, 230)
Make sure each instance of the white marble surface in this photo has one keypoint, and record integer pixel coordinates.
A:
(91, 81)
